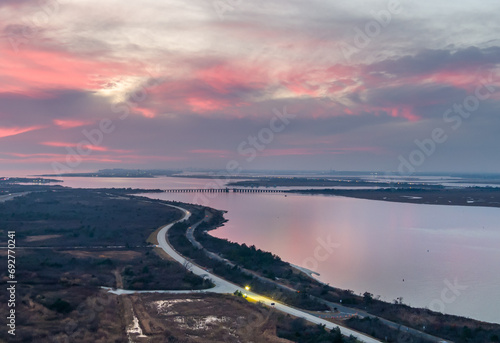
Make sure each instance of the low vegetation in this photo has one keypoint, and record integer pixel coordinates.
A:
(70, 243)
(178, 239)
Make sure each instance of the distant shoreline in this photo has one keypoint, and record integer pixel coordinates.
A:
(469, 196)
(402, 192)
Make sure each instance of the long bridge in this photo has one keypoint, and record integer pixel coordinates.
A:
(223, 190)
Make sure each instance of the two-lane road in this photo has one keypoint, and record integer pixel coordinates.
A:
(8, 197)
(223, 286)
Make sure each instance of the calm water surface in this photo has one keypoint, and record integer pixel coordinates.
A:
(389, 249)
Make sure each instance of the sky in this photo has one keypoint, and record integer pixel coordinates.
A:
(243, 85)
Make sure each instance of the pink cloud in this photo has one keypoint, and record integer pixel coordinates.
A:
(32, 71)
(69, 123)
(16, 154)
(206, 105)
(301, 87)
(12, 131)
(146, 112)
(225, 77)
(401, 112)
(84, 146)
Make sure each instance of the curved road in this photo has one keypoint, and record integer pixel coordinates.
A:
(223, 286)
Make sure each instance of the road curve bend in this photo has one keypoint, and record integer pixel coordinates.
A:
(226, 287)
